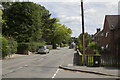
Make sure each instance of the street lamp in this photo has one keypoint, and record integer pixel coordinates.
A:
(83, 43)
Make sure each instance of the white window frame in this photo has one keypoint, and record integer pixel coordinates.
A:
(106, 35)
(107, 45)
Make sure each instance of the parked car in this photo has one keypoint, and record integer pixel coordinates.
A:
(43, 49)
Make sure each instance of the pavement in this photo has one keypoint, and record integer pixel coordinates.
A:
(70, 64)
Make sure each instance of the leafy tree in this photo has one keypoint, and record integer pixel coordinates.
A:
(61, 33)
(1, 19)
(1, 16)
(29, 22)
(87, 38)
(24, 21)
(5, 47)
(95, 47)
(79, 45)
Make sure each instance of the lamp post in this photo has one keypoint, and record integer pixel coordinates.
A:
(83, 35)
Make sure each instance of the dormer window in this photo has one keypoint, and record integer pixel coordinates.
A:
(106, 35)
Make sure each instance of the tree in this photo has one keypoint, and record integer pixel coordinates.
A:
(87, 38)
(1, 19)
(29, 22)
(61, 33)
(5, 46)
(95, 47)
(1, 16)
(24, 21)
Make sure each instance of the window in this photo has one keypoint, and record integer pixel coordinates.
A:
(106, 34)
(102, 47)
(107, 45)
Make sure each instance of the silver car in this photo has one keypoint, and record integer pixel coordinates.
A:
(43, 49)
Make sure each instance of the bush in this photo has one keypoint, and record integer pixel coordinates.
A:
(13, 46)
(49, 46)
(5, 47)
(66, 45)
(94, 47)
(61, 45)
(79, 45)
(33, 46)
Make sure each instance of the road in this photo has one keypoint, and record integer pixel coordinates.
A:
(43, 66)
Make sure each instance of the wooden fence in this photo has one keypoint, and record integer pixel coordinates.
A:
(103, 60)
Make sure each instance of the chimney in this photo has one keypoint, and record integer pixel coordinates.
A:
(98, 29)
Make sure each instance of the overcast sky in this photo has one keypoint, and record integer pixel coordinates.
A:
(69, 13)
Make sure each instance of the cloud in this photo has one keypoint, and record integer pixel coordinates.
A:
(90, 10)
(69, 14)
(85, 1)
(70, 19)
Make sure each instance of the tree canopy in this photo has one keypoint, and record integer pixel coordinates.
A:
(87, 38)
(28, 21)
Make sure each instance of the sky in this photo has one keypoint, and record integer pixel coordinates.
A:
(69, 13)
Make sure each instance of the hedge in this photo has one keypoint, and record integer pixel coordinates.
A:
(49, 46)
(8, 47)
(5, 47)
(33, 46)
(66, 45)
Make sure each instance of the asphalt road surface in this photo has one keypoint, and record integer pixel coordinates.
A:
(43, 66)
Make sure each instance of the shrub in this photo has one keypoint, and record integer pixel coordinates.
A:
(5, 47)
(79, 45)
(94, 47)
(33, 46)
(61, 45)
(66, 45)
(49, 46)
(13, 46)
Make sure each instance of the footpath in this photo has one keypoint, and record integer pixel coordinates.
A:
(69, 63)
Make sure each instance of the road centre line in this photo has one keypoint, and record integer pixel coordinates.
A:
(55, 73)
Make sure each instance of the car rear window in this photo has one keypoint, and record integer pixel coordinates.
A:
(41, 47)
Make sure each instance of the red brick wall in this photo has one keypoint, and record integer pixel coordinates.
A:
(109, 39)
(117, 41)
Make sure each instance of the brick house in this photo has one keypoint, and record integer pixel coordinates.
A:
(109, 37)
(111, 34)
(98, 37)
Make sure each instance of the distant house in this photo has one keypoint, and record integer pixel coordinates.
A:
(98, 37)
(109, 37)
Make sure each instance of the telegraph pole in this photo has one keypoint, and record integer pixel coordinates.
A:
(82, 13)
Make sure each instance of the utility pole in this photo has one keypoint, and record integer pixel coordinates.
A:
(82, 12)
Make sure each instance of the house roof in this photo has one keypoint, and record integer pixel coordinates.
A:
(113, 21)
(97, 34)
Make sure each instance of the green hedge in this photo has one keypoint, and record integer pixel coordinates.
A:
(49, 46)
(33, 46)
(5, 47)
(13, 46)
(8, 47)
(66, 45)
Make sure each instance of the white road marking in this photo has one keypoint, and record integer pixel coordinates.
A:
(55, 73)
(15, 69)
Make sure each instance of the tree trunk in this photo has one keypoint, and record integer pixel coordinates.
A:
(54, 46)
